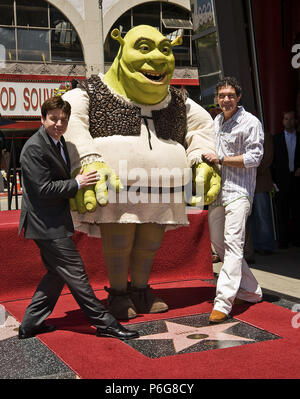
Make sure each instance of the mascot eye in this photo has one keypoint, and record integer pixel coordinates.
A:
(166, 50)
(144, 48)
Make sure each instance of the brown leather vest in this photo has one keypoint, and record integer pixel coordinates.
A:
(109, 115)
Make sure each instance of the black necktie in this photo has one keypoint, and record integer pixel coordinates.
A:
(59, 148)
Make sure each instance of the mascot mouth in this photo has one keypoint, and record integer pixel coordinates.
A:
(154, 77)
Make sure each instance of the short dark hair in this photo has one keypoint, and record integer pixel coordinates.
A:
(55, 103)
(291, 111)
(229, 81)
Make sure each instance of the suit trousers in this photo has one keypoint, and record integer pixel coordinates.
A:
(288, 211)
(227, 231)
(64, 266)
(261, 222)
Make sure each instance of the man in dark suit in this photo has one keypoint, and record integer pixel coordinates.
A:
(286, 175)
(45, 216)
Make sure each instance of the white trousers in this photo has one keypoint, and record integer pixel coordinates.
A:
(227, 232)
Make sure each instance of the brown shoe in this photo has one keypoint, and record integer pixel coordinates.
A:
(120, 305)
(146, 302)
(217, 317)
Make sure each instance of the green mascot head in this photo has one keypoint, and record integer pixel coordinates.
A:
(144, 66)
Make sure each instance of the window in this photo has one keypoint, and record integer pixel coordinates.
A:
(170, 19)
(182, 53)
(9, 43)
(32, 13)
(207, 48)
(65, 46)
(33, 45)
(149, 12)
(6, 12)
(40, 33)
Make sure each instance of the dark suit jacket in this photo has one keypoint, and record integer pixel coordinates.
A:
(47, 187)
(280, 166)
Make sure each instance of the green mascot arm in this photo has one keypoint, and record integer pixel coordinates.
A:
(206, 184)
(87, 198)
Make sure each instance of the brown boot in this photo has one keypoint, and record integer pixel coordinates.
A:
(146, 302)
(217, 317)
(120, 304)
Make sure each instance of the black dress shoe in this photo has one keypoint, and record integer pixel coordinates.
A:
(116, 330)
(44, 328)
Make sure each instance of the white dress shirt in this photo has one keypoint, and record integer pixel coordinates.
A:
(242, 134)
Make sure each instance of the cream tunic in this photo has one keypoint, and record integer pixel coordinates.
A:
(167, 164)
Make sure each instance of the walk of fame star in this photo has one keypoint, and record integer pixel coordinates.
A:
(160, 338)
(186, 336)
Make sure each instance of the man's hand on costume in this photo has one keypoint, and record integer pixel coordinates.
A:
(207, 184)
(95, 177)
(210, 158)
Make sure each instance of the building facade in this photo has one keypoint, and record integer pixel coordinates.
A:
(259, 43)
(44, 43)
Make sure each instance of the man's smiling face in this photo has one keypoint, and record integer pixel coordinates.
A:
(146, 65)
(55, 123)
(228, 100)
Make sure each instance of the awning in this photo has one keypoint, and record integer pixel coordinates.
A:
(184, 82)
(173, 23)
(21, 125)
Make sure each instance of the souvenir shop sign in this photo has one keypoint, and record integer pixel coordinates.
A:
(24, 99)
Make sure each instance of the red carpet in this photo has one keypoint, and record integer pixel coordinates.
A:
(90, 357)
(177, 259)
(179, 269)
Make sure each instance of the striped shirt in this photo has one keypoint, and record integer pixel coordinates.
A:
(242, 134)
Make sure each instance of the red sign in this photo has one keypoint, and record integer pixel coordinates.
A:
(23, 95)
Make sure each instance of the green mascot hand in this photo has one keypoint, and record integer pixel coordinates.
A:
(86, 198)
(206, 184)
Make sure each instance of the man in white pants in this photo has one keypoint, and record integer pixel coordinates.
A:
(239, 140)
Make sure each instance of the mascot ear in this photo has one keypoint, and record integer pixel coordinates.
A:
(177, 41)
(116, 35)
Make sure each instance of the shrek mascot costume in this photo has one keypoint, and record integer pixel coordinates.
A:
(137, 131)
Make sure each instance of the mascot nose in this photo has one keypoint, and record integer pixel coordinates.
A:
(157, 57)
